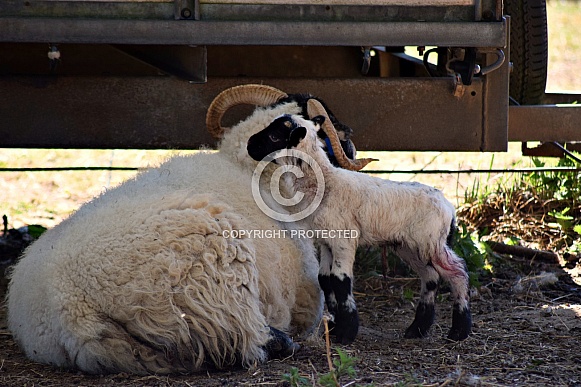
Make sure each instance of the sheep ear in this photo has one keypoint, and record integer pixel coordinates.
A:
(318, 120)
(296, 136)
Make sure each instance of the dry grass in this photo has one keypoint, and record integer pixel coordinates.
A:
(520, 214)
(564, 19)
(48, 197)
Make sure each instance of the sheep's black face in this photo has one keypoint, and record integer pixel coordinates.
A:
(282, 133)
(343, 130)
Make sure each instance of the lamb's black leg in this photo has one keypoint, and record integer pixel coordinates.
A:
(325, 266)
(346, 318)
(425, 312)
(461, 323)
(335, 277)
(429, 277)
(453, 269)
(280, 345)
(330, 299)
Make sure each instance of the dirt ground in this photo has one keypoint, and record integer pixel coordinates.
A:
(525, 333)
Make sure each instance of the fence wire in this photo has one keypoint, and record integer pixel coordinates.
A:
(371, 171)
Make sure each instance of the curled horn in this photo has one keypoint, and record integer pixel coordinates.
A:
(314, 108)
(250, 94)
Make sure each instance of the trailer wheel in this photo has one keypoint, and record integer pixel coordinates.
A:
(528, 50)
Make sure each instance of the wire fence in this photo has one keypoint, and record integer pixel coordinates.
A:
(470, 171)
(62, 169)
(380, 171)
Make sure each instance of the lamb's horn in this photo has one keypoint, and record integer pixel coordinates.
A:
(251, 94)
(314, 108)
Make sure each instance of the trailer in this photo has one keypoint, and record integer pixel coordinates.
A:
(405, 74)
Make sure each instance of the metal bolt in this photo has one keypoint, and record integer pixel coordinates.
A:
(186, 13)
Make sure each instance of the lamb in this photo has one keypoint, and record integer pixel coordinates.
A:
(144, 279)
(415, 219)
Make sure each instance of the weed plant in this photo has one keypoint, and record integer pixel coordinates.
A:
(343, 368)
(540, 208)
(563, 189)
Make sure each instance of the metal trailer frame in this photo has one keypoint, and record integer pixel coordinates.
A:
(141, 74)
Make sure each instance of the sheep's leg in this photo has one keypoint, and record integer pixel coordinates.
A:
(280, 345)
(341, 284)
(325, 265)
(453, 269)
(426, 310)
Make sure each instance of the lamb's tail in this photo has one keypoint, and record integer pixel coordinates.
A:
(451, 233)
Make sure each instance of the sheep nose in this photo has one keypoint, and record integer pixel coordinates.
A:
(252, 152)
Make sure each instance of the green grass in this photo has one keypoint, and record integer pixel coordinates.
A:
(541, 209)
(342, 373)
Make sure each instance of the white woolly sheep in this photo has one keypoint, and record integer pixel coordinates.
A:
(143, 279)
(415, 219)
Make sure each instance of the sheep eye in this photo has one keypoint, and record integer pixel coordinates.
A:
(273, 138)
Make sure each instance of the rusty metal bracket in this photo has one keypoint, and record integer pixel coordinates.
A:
(459, 87)
(366, 60)
(544, 123)
(545, 149)
(187, 9)
(464, 67)
(552, 149)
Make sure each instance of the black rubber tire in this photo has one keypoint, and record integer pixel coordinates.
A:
(528, 50)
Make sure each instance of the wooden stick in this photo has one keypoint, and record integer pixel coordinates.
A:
(328, 345)
(384, 264)
(522, 251)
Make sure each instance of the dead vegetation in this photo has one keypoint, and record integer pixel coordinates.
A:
(520, 214)
(530, 337)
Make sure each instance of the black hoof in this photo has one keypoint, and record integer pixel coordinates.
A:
(461, 325)
(425, 316)
(280, 345)
(346, 327)
(458, 335)
(461, 328)
(415, 332)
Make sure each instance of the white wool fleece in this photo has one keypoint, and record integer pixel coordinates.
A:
(142, 279)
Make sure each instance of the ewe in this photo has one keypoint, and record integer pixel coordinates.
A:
(415, 219)
(143, 280)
